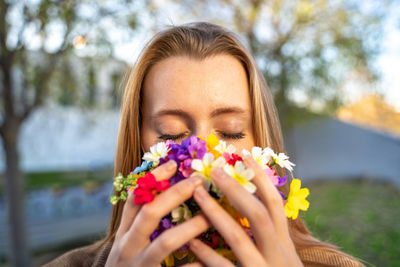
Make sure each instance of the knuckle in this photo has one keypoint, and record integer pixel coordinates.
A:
(183, 188)
(148, 213)
(275, 199)
(164, 243)
(236, 237)
(260, 215)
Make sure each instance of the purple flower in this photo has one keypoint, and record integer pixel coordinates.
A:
(154, 235)
(282, 180)
(197, 147)
(180, 152)
(176, 178)
(165, 224)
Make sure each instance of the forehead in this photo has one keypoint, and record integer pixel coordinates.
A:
(196, 86)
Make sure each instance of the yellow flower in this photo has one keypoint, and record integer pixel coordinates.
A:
(226, 253)
(169, 261)
(180, 254)
(212, 141)
(296, 199)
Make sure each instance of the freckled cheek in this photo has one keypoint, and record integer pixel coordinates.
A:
(148, 137)
(245, 144)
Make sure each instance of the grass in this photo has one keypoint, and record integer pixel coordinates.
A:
(360, 217)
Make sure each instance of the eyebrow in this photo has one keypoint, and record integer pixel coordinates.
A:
(186, 116)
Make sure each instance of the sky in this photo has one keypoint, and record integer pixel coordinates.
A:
(389, 61)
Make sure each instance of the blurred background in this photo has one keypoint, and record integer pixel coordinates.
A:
(331, 65)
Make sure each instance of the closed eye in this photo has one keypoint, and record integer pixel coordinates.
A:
(166, 137)
(233, 135)
(224, 135)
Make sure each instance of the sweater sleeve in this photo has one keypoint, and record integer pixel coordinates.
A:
(96, 256)
(93, 255)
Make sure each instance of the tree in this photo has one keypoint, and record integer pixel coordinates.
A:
(29, 57)
(306, 49)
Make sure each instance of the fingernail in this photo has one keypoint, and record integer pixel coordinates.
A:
(130, 190)
(171, 165)
(200, 193)
(196, 180)
(217, 173)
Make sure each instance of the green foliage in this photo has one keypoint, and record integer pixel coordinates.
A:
(361, 217)
(39, 42)
(59, 180)
(308, 46)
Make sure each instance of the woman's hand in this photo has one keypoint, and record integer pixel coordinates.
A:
(132, 245)
(268, 222)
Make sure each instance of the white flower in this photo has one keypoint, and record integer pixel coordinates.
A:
(222, 147)
(241, 175)
(204, 166)
(262, 157)
(283, 161)
(159, 150)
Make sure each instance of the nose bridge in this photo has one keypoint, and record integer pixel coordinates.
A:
(202, 127)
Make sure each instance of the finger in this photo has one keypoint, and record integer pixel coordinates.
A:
(232, 232)
(130, 209)
(129, 213)
(174, 238)
(207, 255)
(271, 198)
(249, 206)
(165, 171)
(151, 213)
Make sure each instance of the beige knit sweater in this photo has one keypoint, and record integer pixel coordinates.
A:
(96, 256)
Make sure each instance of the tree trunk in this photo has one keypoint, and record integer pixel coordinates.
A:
(19, 255)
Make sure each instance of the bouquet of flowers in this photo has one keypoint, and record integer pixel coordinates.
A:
(197, 155)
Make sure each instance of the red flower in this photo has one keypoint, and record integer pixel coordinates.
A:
(148, 187)
(231, 159)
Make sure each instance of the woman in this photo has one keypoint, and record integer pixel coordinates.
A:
(198, 79)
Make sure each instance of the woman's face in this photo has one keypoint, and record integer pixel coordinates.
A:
(184, 97)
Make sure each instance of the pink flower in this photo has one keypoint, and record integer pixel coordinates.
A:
(186, 168)
(275, 179)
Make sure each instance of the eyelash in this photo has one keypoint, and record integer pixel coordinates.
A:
(233, 136)
(171, 137)
(225, 135)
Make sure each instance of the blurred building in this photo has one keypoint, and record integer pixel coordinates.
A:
(77, 127)
(363, 142)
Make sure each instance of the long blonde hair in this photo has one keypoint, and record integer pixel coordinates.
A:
(199, 40)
